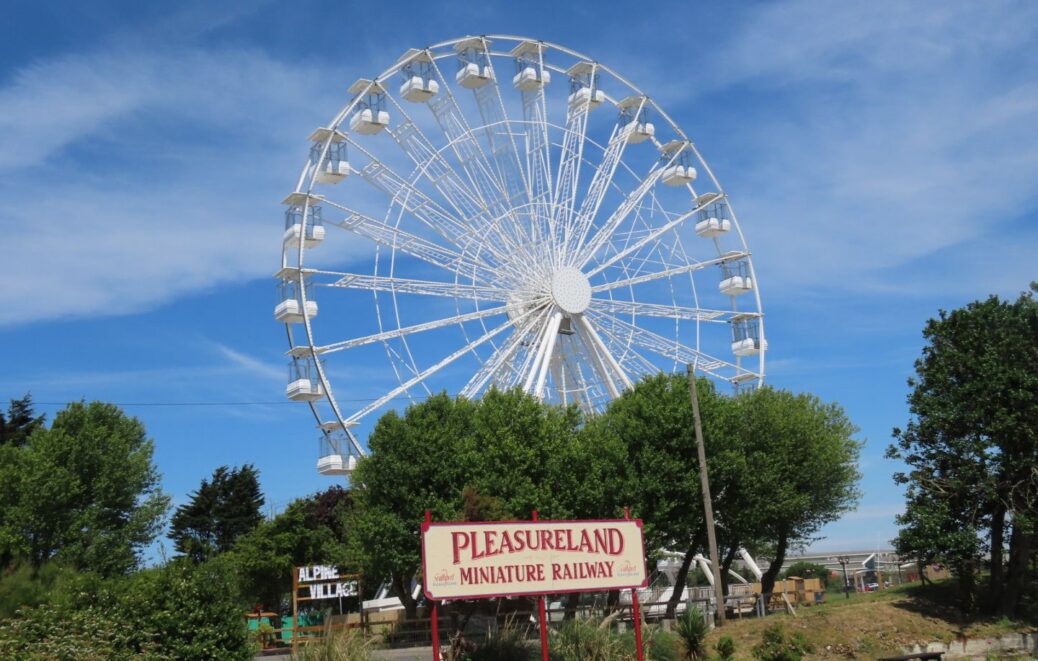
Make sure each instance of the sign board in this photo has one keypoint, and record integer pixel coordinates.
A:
(493, 559)
(317, 582)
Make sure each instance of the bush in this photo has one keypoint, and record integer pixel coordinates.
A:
(725, 648)
(50, 632)
(775, 647)
(692, 628)
(192, 611)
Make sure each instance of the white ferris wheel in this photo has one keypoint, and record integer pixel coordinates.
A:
(499, 211)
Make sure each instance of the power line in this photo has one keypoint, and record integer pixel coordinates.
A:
(277, 403)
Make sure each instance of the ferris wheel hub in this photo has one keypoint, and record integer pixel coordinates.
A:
(571, 290)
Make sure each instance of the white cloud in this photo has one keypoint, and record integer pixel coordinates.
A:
(879, 134)
(132, 177)
(250, 364)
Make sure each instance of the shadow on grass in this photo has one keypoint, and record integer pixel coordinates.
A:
(940, 601)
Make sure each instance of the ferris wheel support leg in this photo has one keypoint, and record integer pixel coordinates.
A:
(542, 346)
(604, 351)
(549, 351)
(598, 365)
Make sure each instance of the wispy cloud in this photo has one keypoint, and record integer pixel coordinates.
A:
(132, 177)
(251, 365)
(880, 133)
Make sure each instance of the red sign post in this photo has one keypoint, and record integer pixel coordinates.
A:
(479, 560)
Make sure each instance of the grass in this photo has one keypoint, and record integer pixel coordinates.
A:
(872, 624)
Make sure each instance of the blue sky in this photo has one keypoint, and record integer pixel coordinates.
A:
(882, 157)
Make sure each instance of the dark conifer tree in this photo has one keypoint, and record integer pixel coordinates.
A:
(20, 422)
(223, 508)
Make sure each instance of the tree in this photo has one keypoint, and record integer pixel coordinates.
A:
(660, 470)
(311, 530)
(971, 446)
(803, 462)
(222, 509)
(87, 492)
(20, 422)
(417, 462)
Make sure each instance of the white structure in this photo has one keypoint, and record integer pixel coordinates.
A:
(303, 221)
(513, 239)
(530, 73)
(680, 171)
(633, 111)
(474, 70)
(328, 155)
(370, 115)
(584, 88)
(419, 82)
(736, 278)
(303, 385)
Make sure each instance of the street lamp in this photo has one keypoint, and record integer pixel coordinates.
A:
(843, 560)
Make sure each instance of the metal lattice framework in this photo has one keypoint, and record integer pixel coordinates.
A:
(534, 221)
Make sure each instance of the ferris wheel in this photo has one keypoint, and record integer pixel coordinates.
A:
(497, 211)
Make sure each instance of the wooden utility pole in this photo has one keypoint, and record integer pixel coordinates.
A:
(708, 506)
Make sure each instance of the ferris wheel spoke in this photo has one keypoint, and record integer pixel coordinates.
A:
(654, 235)
(502, 143)
(605, 233)
(417, 328)
(600, 346)
(421, 376)
(600, 183)
(568, 178)
(634, 362)
(668, 273)
(410, 244)
(668, 348)
(420, 287)
(660, 310)
(501, 356)
(438, 171)
(422, 207)
(474, 160)
(538, 147)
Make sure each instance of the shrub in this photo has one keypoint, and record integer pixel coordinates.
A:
(50, 632)
(725, 648)
(692, 628)
(191, 610)
(775, 647)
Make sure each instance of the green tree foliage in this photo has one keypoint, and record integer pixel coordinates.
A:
(416, 464)
(659, 474)
(971, 447)
(84, 492)
(191, 611)
(223, 508)
(311, 530)
(20, 422)
(802, 457)
(49, 632)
